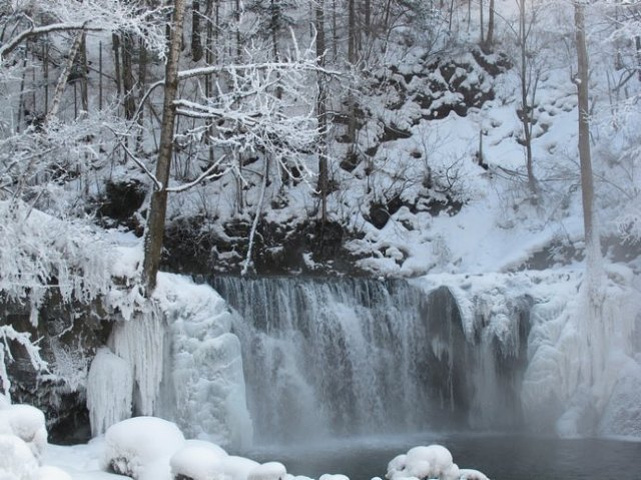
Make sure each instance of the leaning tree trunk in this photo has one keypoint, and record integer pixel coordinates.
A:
(592, 244)
(64, 78)
(155, 230)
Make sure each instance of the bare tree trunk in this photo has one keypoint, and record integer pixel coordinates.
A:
(481, 22)
(115, 42)
(142, 88)
(334, 31)
(592, 243)
(489, 39)
(238, 41)
(84, 87)
(100, 81)
(45, 60)
(351, 31)
(128, 77)
(155, 230)
(196, 43)
(321, 110)
(526, 109)
(63, 78)
(637, 44)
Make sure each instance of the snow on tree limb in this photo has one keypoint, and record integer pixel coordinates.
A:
(95, 15)
(9, 334)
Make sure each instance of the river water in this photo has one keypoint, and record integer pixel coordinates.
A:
(500, 457)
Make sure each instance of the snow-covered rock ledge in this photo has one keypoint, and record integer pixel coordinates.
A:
(178, 360)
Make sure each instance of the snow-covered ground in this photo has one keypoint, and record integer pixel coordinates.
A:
(149, 448)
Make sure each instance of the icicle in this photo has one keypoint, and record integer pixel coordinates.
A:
(109, 391)
(140, 342)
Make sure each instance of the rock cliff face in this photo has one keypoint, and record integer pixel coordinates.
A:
(69, 336)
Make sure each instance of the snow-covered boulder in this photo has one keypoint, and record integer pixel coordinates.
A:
(470, 474)
(333, 476)
(141, 447)
(429, 462)
(237, 468)
(17, 462)
(28, 424)
(268, 471)
(198, 460)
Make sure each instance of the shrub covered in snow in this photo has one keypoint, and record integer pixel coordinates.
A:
(430, 462)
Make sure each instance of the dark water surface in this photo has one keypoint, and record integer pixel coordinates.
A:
(500, 457)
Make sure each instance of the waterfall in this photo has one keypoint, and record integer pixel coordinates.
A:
(362, 356)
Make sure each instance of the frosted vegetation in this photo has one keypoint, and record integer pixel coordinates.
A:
(439, 148)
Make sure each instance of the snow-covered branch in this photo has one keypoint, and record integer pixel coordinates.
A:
(12, 44)
(9, 334)
(104, 15)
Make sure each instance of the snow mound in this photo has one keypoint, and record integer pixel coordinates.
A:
(141, 447)
(237, 468)
(470, 474)
(197, 459)
(268, 471)
(28, 424)
(17, 461)
(51, 473)
(333, 476)
(433, 462)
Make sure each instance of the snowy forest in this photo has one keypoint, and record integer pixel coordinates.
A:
(258, 222)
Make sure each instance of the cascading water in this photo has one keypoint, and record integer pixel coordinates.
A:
(361, 356)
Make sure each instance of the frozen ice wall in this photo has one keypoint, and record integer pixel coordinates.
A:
(577, 340)
(178, 361)
(584, 373)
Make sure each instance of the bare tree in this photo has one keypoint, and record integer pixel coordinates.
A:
(155, 230)
(592, 243)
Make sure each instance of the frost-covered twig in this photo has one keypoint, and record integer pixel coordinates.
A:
(207, 174)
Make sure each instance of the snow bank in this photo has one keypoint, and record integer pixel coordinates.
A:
(51, 473)
(433, 462)
(141, 447)
(28, 424)
(17, 461)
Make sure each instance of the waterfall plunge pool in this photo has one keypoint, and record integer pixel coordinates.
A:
(499, 456)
